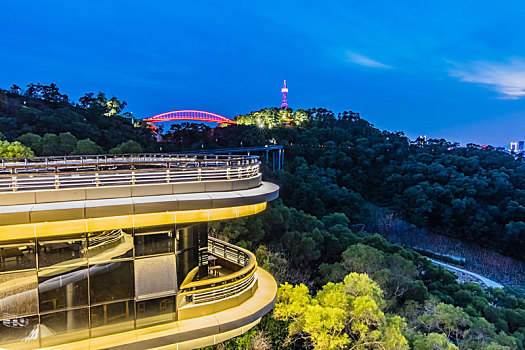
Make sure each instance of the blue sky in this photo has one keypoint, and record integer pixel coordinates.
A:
(451, 69)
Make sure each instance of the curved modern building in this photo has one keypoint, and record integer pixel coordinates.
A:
(113, 252)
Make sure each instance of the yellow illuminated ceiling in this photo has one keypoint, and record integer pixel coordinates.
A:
(68, 227)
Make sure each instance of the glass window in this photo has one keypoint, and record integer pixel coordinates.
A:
(18, 294)
(112, 318)
(64, 288)
(153, 242)
(109, 245)
(155, 311)
(64, 327)
(187, 260)
(17, 256)
(192, 242)
(22, 332)
(62, 252)
(111, 281)
(155, 276)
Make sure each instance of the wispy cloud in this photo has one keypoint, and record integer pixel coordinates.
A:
(363, 60)
(506, 78)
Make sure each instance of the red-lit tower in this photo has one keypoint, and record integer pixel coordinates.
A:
(284, 90)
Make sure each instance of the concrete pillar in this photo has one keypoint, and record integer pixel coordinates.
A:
(70, 322)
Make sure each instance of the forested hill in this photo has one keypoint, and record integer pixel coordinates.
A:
(343, 181)
(342, 163)
(38, 117)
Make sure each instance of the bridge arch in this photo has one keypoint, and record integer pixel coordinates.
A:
(189, 114)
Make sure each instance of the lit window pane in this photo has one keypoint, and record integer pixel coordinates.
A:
(155, 311)
(62, 288)
(17, 256)
(112, 318)
(62, 252)
(64, 327)
(18, 294)
(109, 245)
(111, 281)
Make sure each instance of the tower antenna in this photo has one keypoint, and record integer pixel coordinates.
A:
(284, 90)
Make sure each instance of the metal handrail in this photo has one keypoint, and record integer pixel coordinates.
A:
(160, 159)
(169, 169)
(224, 286)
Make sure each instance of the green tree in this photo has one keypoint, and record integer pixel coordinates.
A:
(67, 143)
(14, 149)
(432, 341)
(33, 141)
(342, 315)
(87, 146)
(126, 147)
(50, 145)
(447, 319)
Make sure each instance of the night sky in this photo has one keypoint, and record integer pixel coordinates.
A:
(451, 69)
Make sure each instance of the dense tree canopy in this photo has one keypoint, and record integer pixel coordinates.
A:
(44, 111)
(346, 287)
(14, 149)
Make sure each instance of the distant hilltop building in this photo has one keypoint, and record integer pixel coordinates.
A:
(517, 147)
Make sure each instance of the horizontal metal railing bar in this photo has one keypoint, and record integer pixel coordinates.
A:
(200, 160)
(218, 288)
(223, 292)
(13, 182)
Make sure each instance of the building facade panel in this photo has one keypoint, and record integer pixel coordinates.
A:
(98, 267)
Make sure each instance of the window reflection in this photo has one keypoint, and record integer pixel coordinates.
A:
(18, 294)
(62, 252)
(62, 288)
(91, 285)
(112, 318)
(192, 240)
(17, 256)
(155, 311)
(109, 245)
(64, 326)
(21, 330)
(155, 276)
(154, 242)
(111, 281)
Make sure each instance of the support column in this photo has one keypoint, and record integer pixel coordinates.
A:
(69, 303)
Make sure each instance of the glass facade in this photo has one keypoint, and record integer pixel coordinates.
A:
(69, 288)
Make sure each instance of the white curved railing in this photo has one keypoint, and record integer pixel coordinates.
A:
(218, 288)
(115, 171)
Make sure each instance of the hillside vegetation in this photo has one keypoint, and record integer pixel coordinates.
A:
(46, 121)
(343, 286)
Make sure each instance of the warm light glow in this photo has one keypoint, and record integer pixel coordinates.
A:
(59, 228)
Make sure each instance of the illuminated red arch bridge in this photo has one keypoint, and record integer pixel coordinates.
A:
(200, 116)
